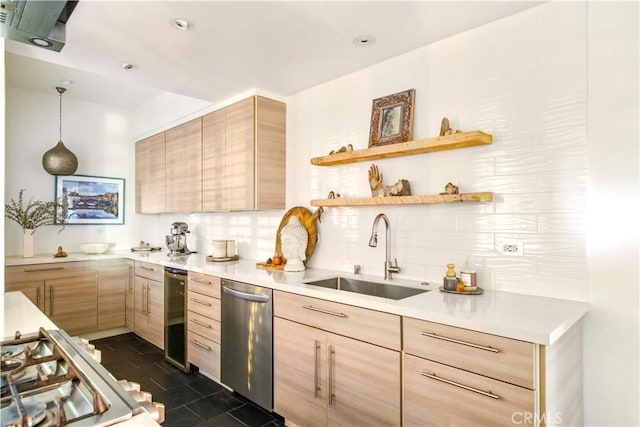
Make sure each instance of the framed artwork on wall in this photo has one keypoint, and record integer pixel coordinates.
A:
(392, 118)
(91, 199)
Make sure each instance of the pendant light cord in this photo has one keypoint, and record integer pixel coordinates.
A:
(60, 90)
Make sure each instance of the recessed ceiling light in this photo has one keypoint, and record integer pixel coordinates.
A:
(128, 66)
(364, 40)
(66, 82)
(181, 24)
(40, 42)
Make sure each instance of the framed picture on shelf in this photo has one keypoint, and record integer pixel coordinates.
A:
(392, 118)
(91, 199)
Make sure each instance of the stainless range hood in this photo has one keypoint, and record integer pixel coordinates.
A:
(37, 22)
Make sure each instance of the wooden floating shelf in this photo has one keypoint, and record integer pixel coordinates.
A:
(406, 200)
(439, 143)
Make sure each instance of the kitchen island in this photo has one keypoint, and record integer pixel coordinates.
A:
(20, 314)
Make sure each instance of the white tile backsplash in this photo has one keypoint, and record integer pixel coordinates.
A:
(521, 79)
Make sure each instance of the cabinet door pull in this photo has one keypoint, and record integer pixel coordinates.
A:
(199, 344)
(197, 301)
(322, 310)
(332, 355)
(198, 322)
(204, 282)
(144, 267)
(316, 360)
(145, 305)
(51, 301)
(466, 387)
(34, 270)
(38, 296)
(453, 340)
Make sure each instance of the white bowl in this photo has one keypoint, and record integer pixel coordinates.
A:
(94, 248)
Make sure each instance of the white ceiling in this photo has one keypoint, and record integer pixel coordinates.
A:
(234, 46)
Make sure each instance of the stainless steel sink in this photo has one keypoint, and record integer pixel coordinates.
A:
(376, 289)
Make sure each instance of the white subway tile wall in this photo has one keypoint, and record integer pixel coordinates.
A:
(522, 79)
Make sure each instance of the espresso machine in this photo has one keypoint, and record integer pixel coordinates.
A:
(177, 240)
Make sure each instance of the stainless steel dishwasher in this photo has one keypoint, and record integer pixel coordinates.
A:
(247, 341)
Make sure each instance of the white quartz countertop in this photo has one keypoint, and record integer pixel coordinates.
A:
(20, 314)
(528, 318)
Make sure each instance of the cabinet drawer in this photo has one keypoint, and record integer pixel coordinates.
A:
(448, 396)
(490, 355)
(204, 326)
(204, 284)
(204, 353)
(204, 305)
(360, 323)
(57, 270)
(150, 271)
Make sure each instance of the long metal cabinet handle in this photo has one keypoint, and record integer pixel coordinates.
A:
(35, 270)
(331, 368)
(38, 296)
(146, 300)
(469, 344)
(199, 344)
(316, 360)
(466, 387)
(322, 310)
(244, 295)
(144, 267)
(197, 301)
(197, 322)
(51, 301)
(204, 282)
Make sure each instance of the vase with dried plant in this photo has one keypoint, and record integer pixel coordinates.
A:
(33, 215)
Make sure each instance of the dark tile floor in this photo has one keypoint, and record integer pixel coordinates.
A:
(189, 399)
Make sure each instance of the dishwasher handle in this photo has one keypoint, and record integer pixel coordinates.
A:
(246, 296)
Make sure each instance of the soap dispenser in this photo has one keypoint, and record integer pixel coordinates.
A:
(450, 279)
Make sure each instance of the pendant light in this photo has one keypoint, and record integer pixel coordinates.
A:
(59, 160)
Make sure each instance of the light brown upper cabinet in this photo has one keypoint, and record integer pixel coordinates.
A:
(244, 156)
(150, 174)
(183, 167)
(231, 159)
(213, 160)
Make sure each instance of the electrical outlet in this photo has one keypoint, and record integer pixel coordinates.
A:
(511, 248)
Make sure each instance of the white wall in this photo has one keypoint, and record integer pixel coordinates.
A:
(98, 136)
(2, 157)
(611, 341)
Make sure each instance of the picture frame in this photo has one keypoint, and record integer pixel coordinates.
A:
(91, 200)
(392, 118)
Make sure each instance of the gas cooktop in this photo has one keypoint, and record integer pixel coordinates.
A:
(49, 380)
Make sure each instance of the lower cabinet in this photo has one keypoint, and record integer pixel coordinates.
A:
(325, 379)
(130, 296)
(455, 376)
(66, 292)
(447, 396)
(203, 323)
(72, 303)
(149, 302)
(112, 286)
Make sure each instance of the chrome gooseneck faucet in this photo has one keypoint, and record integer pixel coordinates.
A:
(389, 267)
